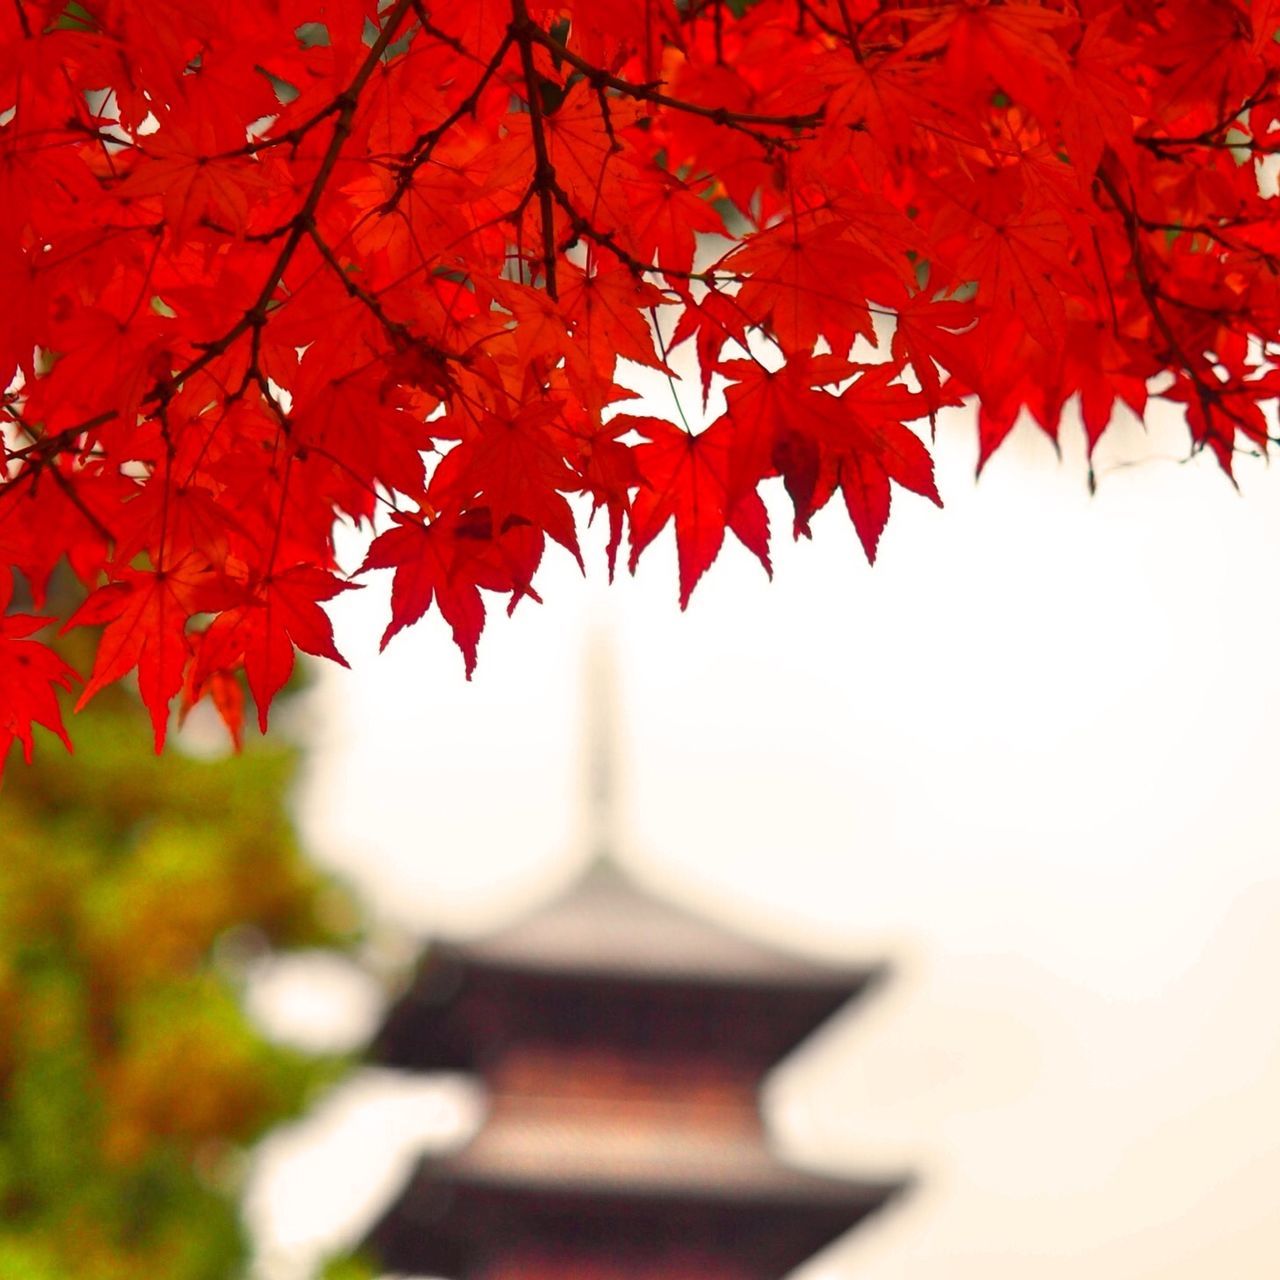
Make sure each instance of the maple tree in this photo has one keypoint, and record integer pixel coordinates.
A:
(269, 266)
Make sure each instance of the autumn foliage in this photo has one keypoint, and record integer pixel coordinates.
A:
(137, 898)
(272, 264)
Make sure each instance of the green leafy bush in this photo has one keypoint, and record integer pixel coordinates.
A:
(131, 1080)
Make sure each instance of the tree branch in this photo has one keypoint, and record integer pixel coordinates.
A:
(544, 174)
(599, 78)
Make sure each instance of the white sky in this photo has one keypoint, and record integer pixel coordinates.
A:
(1031, 757)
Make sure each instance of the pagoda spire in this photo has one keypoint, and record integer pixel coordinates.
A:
(600, 746)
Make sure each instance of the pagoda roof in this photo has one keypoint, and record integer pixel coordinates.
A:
(601, 1179)
(607, 922)
(611, 958)
(639, 1147)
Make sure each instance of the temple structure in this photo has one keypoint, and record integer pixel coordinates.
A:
(622, 1041)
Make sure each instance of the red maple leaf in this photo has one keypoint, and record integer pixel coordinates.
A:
(145, 613)
(447, 561)
(282, 613)
(686, 481)
(30, 675)
(864, 446)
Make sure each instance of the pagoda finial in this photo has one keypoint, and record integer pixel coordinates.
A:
(601, 745)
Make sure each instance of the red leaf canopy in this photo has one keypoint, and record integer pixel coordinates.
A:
(269, 266)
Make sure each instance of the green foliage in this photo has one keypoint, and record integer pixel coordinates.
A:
(131, 1080)
(350, 1269)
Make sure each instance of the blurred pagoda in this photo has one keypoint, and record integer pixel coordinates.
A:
(622, 1042)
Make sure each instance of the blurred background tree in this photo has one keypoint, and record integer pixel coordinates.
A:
(134, 893)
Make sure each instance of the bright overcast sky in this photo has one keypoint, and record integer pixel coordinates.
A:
(1031, 757)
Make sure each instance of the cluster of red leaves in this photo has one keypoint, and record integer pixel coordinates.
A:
(271, 264)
